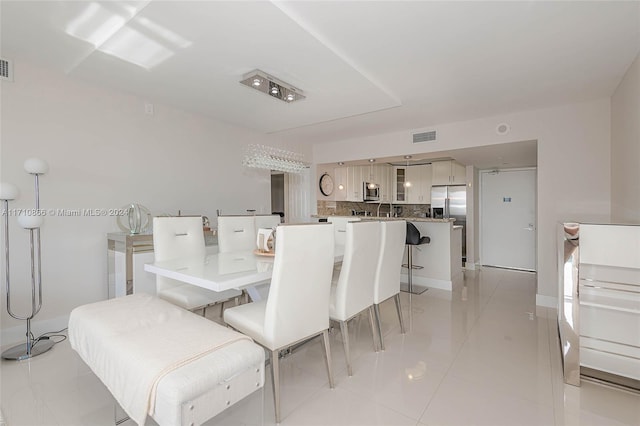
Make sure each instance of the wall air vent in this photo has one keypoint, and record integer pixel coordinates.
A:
(424, 136)
(6, 70)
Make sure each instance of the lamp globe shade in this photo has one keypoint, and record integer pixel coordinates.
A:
(30, 222)
(36, 166)
(8, 191)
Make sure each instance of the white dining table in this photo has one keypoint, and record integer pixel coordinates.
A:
(223, 271)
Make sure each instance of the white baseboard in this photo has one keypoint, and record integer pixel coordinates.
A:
(15, 335)
(547, 301)
(428, 282)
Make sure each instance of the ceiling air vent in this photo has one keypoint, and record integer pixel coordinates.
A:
(6, 70)
(424, 136)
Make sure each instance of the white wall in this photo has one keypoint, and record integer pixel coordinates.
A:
(625, 147)
(105, 152)
(473, 218)
(574, 170)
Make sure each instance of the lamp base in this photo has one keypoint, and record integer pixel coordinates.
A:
(19, 352)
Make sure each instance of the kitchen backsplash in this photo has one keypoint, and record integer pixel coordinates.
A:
(345, 208)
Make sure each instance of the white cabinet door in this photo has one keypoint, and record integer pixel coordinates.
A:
(441, 172)
(427, 176)
(382, 176)
(448, 173)
(413, 184)
(458, 174)
(354, 178)
(341, 184)
(399, 190)
(419, 192)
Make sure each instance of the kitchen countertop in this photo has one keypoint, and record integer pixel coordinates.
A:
(409, 219)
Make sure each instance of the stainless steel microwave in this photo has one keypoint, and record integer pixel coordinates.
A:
(370, 191)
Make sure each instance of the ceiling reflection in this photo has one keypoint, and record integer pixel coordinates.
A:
(116, 29)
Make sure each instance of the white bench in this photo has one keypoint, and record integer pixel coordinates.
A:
(162, 361)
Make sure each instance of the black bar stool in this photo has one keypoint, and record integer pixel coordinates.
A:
(413, 239)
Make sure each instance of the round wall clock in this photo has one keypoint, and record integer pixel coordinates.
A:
(326, 184)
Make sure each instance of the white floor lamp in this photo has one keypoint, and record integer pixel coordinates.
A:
(31, 220)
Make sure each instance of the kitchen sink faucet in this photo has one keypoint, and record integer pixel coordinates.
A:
(390, 208)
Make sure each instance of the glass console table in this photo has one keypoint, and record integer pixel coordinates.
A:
(126, 256)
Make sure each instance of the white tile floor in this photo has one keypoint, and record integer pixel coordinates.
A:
(482, 355)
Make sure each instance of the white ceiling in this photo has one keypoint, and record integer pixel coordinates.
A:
(365, 67)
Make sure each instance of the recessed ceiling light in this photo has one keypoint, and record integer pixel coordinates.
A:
(256, 82)
(290, 97)
(274, 90)
(406, 157)
(372, 160)
(340, 163)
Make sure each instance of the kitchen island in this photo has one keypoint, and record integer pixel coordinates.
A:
(441, 259)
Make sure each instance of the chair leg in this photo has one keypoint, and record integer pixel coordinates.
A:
(376, 309)
(344, 328)
(327, 357)
(275, 381)
(204, 311)
(374, 329)
(399, 309)
(222, 310)
(410, 266)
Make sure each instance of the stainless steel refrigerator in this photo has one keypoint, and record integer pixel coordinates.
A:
(451, 202)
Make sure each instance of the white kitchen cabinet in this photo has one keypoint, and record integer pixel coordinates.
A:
(448, 173)
(419, 192)
(383, 177)
(340, 183)
(458, 174)
(354, 183)
(399, 189)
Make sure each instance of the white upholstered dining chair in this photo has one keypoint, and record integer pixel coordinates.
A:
(236, 233)
(353, 291)
(182, 237)
(387, 278)
(239, 233)
(266, 221)
(297, 307)
(340, 227)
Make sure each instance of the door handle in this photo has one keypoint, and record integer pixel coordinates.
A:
(530, 227)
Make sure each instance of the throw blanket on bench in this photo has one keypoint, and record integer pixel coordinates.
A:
(131, 342)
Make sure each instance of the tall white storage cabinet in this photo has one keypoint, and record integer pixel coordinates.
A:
(599, 309)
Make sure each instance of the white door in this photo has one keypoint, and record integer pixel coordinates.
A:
(298, 202)
(508, 218)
